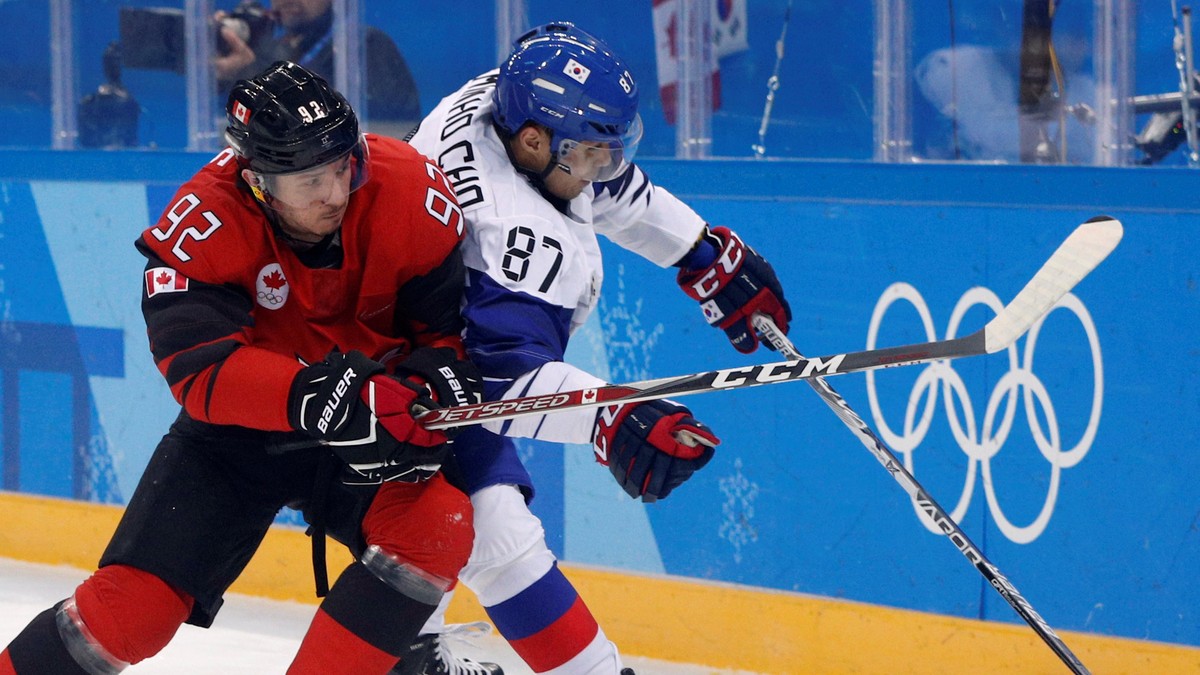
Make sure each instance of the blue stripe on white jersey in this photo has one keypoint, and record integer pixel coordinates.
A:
(510, 333)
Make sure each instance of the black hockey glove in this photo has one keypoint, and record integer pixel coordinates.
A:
(651, 448)
(449, 380)
(733, 287)
(367, 418)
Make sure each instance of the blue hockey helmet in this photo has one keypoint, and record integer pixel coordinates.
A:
(563, 78)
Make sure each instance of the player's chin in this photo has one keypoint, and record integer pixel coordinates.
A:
(572, 190)
(333, 220)
(325, 226)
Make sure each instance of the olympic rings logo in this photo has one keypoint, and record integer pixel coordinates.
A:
(981, 442)
(271, 286)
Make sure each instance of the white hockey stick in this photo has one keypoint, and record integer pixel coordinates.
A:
(921, 498)
(1085, 248)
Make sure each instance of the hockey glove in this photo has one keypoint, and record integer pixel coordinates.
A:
(449, 380)
(651, 448)
(733, 287)
(367, 418)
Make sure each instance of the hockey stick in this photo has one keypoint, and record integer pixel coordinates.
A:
(766, 327)
(1089, 244)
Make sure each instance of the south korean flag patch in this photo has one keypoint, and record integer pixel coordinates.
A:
(164, 280)
(577, 71)
(712, 313)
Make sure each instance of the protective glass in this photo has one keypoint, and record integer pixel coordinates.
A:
(323, 184)
(598, 160)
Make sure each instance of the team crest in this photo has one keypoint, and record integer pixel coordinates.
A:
(271, 286)
(164, 280)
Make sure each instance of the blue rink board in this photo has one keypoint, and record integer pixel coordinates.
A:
(791, 501)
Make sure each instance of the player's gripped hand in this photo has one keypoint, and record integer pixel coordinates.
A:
(367, 418)
(732, 283)
(651, 448)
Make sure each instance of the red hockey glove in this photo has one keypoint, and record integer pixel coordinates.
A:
(651, 448)
(450, 381)
(367, 419)
(735, 286)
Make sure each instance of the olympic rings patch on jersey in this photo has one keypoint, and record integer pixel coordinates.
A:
(164, 280)
(982, 437)
(271, 286)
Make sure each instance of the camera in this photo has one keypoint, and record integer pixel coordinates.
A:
(250, 22)
(153, 37)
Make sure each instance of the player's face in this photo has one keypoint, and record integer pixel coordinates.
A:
(563, 185)
(588, 160)
(583, 163)
(294, 13)
(311, 204)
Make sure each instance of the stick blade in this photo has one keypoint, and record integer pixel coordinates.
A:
(1078, 255)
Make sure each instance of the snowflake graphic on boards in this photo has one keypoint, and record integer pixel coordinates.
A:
(738, 510)
(627, 342)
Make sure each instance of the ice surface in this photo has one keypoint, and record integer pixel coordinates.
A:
(250, 635)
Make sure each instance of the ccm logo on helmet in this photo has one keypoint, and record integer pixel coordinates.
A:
(335, 400)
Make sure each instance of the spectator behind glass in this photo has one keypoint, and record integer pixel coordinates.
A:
(304, 35)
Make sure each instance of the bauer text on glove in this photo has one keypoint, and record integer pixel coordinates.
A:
(367, 418)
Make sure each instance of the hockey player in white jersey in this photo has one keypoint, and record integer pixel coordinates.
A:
(540, 152)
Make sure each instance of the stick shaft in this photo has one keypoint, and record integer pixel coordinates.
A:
(1087, 245)
(921, 498)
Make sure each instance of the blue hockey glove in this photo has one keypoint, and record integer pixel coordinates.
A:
(651, 448)
(732, 286)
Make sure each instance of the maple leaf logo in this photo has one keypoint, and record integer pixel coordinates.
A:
(271, 287)
(274, 280)
(163, 278)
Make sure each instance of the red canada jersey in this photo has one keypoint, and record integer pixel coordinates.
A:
(233, 312)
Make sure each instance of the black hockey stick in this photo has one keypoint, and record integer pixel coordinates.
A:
(1078, 255)
(766, 327)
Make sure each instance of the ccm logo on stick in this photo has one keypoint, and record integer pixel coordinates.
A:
(777, 372)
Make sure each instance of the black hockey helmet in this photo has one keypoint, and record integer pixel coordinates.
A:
(288, 119)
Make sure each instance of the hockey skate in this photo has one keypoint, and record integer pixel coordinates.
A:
(429, 655)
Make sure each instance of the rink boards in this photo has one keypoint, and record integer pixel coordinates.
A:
(1068, 460)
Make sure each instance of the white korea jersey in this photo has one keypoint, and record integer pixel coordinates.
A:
(534, 271)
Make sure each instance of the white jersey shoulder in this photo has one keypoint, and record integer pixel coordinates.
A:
(514, 236)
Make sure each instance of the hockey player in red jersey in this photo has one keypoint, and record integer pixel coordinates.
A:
(301, 298)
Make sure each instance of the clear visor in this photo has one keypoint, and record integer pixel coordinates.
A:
(600, 160)
(325, 184)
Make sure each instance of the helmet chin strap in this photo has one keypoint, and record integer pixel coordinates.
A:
(552, 165)
(537, 178)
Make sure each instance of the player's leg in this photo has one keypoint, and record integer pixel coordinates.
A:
(119, 616)
(517, 580)
(179, 544)
(515, 575)
(417, 537)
